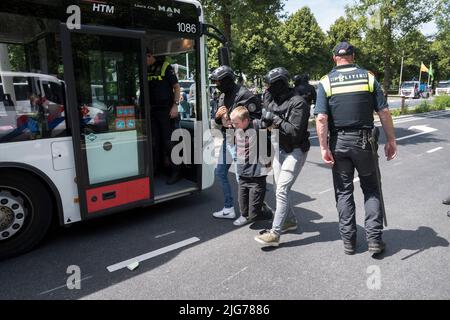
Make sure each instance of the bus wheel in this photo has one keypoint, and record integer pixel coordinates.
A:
(25, 213)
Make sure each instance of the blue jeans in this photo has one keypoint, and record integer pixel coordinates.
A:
(227, 157)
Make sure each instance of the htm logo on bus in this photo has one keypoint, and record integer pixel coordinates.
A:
(100, 6)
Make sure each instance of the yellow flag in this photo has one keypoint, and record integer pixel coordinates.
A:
(423, 68)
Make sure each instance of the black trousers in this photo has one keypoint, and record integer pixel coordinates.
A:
(162, 129)
(350, 153)
(251, 195)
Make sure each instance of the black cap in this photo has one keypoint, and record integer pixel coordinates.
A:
(344, 49)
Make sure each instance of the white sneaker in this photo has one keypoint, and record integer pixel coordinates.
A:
(225, 213)
(241, 221)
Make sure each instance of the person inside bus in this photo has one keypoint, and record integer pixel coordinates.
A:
(164, 91)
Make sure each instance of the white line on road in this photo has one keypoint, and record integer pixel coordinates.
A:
(425, 130)
(234, 275)
(64, 286)
(328, 190)
(152, 254)
(434, 150)
(165, 234)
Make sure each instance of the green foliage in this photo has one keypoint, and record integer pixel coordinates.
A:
(383, 31)
(17, 57)
(442, 102)
(439, 103)
(385, 22)
(304, 43)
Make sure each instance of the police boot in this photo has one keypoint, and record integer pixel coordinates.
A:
(349, 247)
(446, 201)
(376, 247)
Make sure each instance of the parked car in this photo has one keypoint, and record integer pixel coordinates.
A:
(410, 89)
(443, 88)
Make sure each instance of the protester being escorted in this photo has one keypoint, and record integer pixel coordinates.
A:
(289, 113)
(347, 98)
(252, 168)
(232, 95)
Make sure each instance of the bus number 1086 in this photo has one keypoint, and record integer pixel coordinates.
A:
(186, 27)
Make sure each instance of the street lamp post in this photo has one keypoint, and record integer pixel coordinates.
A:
(401, 75)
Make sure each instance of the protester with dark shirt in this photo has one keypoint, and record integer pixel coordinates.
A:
(251, 167)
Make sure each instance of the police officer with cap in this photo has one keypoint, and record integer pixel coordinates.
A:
(232, 95)
(346, 100)
(289, 113)
(164, 92)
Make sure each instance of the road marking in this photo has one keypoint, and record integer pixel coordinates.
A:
(425, 130)
(64, 286)
(152, 254)
(328, 190)
(434, 150)
(233, 276)
(165, 234)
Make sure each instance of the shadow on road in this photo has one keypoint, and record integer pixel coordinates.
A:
(419, 240)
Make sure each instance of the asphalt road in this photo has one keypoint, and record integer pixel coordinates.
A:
(221, 261)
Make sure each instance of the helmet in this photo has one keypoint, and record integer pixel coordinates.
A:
(301, 79)
(277, 74)
(221, 73)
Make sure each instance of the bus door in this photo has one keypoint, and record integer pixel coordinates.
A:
(107, 93)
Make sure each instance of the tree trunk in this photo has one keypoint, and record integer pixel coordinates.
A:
(227, 25)
(388, 46)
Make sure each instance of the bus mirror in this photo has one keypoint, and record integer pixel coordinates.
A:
(224, 56)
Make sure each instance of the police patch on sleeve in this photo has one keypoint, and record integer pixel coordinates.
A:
(251, 107)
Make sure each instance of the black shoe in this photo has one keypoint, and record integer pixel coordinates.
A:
(349, 247)
(376, 247)
(266, 212)
(174, 178)
(446, 201)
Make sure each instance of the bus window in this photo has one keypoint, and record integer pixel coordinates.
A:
(30, 89)
(108, 73)
(181, 53)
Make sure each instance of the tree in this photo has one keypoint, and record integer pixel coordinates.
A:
(386, 21)
(305, 45)
(441, 45)
(251, 27)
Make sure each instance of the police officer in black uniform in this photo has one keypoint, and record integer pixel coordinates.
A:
(304, 89)
(232, 95)
(164, 92)
(288, 113)
(347, 98)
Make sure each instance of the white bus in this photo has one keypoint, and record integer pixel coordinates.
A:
(75, 129)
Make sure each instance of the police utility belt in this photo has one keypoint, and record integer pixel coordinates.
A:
(351, 132)
(369, 136)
